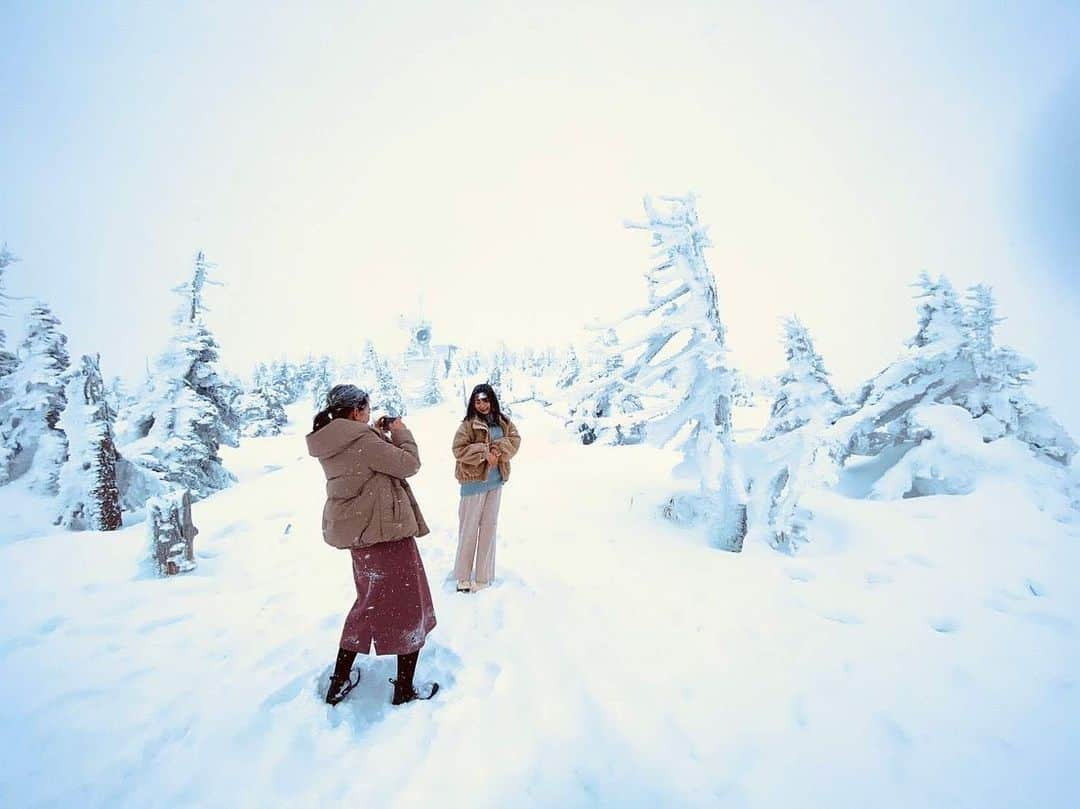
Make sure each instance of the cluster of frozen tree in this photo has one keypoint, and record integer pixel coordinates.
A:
(660, 374)
(100, 450)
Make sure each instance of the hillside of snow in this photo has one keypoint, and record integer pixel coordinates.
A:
(915, 652)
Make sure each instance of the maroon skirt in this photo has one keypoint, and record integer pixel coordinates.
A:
(393, 606)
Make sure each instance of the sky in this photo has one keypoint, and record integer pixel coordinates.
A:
(345, 165)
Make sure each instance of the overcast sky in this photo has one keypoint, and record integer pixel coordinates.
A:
(341, 164)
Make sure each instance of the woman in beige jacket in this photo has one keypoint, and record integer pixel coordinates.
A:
(370, 511)
(483, 446)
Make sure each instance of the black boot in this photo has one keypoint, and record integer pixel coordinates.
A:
(340, 681)
(403, 685)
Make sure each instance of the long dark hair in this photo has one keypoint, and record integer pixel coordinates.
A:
(496, 415)
(340, 403)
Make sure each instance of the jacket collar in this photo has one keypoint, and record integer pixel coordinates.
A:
(478, 423)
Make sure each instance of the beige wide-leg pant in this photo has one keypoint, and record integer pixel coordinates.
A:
(478, 515)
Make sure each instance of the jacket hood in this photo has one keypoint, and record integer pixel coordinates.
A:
(334, 437)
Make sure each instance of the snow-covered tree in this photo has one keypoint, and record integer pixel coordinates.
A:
(806, 394)
(89, 493)
(936, 367)
(322, 379)
(181, 425)
(387, 395)
(605, 409)
(675, 362)
(32, 442)
(433, 387)
(471, 362)
(284, 378)
(261, 411)
(952, 360)
(7, 359)
(998, 401)
(171, 532)
(571, 369)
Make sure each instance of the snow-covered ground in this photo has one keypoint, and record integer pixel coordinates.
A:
(919, 652)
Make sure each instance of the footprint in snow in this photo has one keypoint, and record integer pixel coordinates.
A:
(51, 625)
(894, 731)
(874, 578)
(798, 710)
(800, 574)
(1035, 588)
(150, 626)
(842, 617)
(944, 624)
(369, 702)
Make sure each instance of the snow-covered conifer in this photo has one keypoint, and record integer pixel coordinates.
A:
(321, 380)
(936, 367)
(387, 395)
(261, 411)
(433, 387)
(952, 360)
(89, 494)
(605, 409)
(7, 359)
(182, 423)
(571, 369)
(33, 444)
(999, 401)
(806, 394)
(675, 361)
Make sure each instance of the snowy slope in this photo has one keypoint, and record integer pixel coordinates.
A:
(919, 652)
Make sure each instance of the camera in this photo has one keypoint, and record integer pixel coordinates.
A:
(384, 421)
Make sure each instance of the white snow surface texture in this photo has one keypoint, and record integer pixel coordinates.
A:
(915, 652)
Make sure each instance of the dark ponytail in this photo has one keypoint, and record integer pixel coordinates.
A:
(341, 400)
(328, 414)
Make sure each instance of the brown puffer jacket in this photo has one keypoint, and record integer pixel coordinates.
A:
(471, 442)
(367, 498)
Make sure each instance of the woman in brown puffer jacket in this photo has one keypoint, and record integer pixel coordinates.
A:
(371, 512)
(483, 445)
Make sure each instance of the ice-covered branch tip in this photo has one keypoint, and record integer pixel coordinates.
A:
(192, 291)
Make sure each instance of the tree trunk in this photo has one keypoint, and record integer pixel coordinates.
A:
(172, 533)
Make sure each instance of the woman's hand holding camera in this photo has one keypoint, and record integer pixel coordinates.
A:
(493, 456)
(390, 423)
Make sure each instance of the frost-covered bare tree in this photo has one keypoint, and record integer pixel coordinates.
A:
(32, 441)
(675, 362)
(89, 493)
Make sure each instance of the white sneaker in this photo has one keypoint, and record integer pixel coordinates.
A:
(464, 586)
(480, 585)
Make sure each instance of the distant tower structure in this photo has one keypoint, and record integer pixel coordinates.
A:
(422, 358)
(419, 347)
